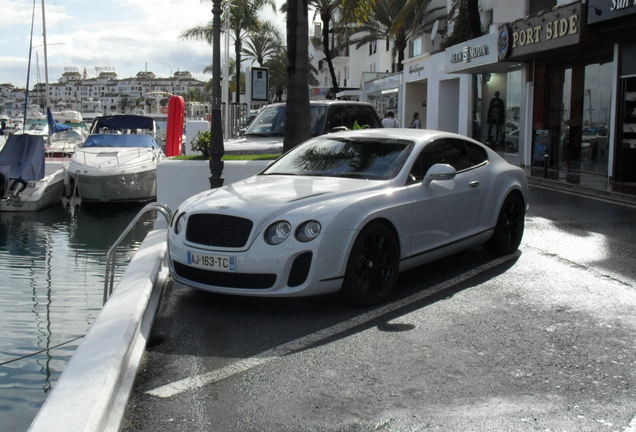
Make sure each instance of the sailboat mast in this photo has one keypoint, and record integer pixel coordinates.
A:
(46, 66)
(26, 93)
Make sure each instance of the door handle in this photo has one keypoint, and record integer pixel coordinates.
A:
(473, 183)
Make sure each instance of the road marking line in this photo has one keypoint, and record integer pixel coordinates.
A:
(585, 195)
(191, 383)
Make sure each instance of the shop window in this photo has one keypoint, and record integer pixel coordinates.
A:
(626, 149)
(576, 118)
(496, 112)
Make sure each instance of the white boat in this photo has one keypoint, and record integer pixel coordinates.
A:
(23, 185)
(63, 144)
(117, 162)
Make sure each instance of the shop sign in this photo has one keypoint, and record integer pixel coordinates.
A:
(555, 28)
(476, 52)
(468, 53)
(416, 69)
(605, 10)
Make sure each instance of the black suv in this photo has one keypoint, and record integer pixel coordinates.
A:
(265, 133)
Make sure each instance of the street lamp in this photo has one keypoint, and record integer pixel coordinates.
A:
(216, 131)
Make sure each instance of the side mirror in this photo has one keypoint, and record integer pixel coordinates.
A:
(439, 172)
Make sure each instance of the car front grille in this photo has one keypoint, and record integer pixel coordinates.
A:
(218, 230)
(223, 279)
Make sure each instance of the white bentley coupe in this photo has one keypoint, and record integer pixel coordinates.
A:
(348, 211)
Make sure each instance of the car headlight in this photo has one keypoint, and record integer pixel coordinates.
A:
(307, 231)
(277, 232)
(180, 223)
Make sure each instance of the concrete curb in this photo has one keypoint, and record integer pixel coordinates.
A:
(615, 197)
(93, 390)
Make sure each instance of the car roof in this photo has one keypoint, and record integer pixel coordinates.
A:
(323, 102)
(417, 135)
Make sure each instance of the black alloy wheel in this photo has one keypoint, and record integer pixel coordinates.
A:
(373, 266)
(509, 230)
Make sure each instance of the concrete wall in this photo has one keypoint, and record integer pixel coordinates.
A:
(178, 180)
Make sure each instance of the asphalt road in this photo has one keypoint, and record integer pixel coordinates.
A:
(541, 340)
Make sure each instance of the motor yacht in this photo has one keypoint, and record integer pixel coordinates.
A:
(117, 162)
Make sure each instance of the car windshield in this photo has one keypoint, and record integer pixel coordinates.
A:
(271, 121)
(366, 158)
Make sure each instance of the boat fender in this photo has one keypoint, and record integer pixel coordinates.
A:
(16, 188)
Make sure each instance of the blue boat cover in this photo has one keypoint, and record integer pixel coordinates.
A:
(22, 157)
(53, 125)
(120, 122)
(126, 140)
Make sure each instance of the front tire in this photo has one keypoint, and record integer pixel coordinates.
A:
(373, 266)
(509, 230)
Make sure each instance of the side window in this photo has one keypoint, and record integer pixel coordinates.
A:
(476, 154)
(445, 151)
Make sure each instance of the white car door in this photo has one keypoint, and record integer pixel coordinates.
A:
(444, 211)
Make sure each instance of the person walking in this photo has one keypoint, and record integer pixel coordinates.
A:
(415, 122)
(389, 121)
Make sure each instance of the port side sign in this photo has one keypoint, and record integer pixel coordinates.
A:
(557, 28)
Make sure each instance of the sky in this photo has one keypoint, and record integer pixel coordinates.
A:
(123, 34)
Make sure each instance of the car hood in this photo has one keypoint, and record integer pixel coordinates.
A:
(252, 144)
(260, 198)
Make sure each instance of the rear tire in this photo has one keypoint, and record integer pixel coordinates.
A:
(509, 230)
(373, 266)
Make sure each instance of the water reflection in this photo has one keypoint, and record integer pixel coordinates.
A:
(51, 280)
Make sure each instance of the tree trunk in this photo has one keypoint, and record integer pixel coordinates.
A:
(473, 18)
(400, 47)
(325, 45)
(297, 127)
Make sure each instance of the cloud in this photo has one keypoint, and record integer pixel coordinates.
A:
(124, 34)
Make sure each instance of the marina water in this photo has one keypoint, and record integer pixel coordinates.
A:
(52, 265)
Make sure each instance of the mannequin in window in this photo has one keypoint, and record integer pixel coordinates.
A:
(496, 117)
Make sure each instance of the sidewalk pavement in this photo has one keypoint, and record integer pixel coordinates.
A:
(590, 185)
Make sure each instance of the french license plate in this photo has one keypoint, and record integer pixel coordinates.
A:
(223, 263)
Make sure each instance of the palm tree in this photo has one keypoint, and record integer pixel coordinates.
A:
(263, 42)
(297, 127)
(466, 22)
(277, 65)
(243, 19)
(232, 84)
(328, 11)
(398, 20)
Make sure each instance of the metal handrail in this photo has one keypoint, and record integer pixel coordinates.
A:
(109, 275)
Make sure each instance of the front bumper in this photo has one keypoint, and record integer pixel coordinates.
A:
(291, 269)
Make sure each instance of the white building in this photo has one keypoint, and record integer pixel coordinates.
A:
(107, 94)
